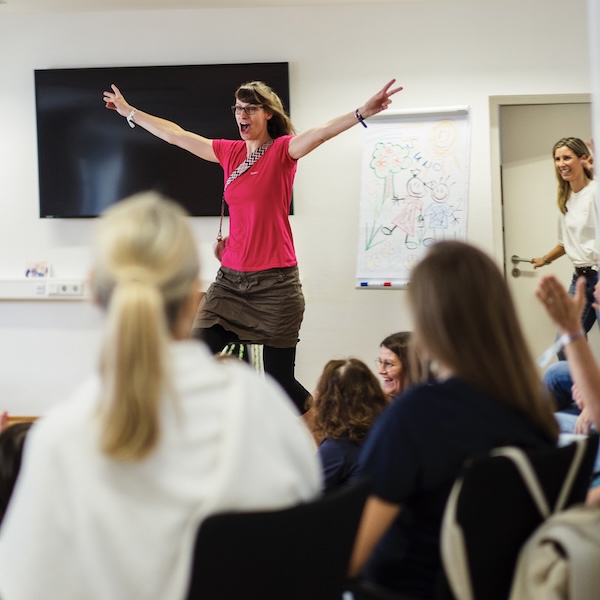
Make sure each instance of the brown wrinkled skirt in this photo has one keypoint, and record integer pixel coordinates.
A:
(264, 307)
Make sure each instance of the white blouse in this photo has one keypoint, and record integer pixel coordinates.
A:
(578, 227)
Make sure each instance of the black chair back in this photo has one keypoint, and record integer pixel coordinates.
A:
(298, 553)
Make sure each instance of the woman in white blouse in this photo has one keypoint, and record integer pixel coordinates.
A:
(578, 220)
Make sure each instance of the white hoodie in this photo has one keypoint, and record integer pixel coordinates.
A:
(81, 526)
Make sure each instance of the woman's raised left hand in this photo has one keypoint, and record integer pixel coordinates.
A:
(563, 309)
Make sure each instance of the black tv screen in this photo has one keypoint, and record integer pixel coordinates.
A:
(89, 157)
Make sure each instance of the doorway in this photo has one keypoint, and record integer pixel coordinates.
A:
(525, 198)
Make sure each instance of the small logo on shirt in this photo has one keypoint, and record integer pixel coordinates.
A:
(253, 172)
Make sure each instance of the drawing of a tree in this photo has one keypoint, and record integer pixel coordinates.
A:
(387, 160)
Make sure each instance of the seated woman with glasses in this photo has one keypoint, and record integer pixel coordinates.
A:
(394, 363)
(346, 402)
(257, 296)
(485, 393)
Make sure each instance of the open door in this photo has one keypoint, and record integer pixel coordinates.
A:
(529, 212)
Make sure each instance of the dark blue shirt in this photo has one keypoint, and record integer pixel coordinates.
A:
(413, 454)
(339, 459)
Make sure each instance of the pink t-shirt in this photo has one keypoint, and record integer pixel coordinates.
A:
(260, 236)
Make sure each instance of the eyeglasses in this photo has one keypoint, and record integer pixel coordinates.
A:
(249, 110)
(386, 365)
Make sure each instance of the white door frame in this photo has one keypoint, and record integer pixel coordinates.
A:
(496, 103)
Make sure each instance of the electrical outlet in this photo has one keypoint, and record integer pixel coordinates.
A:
(70, 289)
(65, 288)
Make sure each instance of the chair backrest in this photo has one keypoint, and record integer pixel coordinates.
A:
(495, 512)
(298, 553)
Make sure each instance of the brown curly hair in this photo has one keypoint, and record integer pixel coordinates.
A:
(347, 400)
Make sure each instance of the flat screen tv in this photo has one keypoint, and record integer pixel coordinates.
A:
(89, 157)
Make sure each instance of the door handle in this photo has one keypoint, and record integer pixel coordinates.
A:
(517, 259)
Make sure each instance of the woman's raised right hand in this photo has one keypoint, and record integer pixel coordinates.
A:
(114, 101)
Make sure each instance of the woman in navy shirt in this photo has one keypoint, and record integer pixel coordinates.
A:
(485, 393)
(346, 403)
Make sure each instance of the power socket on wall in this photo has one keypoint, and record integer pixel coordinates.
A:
(72, 288)
(43, 289)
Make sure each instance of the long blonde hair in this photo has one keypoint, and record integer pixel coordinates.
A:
(579, 148)
(465, 318)
(146, 265)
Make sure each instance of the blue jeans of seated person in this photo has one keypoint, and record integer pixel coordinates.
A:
(557, 378)
(589, 316)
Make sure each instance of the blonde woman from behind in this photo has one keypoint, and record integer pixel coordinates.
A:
(115, 482)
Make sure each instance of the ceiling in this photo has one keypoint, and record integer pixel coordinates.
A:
(45, 6)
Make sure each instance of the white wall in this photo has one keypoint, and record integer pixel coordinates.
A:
(443, 53)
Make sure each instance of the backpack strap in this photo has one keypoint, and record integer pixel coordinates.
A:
(454, 550)
(520, 460)
(570, 478)
(527, 472)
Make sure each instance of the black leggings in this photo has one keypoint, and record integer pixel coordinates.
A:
(278, 362)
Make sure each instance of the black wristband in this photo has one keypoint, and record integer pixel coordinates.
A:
(359, 117)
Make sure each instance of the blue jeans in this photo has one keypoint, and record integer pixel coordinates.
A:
(557, 378)
(588, 317)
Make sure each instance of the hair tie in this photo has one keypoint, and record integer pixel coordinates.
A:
(134, 275)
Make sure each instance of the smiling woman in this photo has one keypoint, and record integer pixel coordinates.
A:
(394, 363)
(257, 296)
(578, 221)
